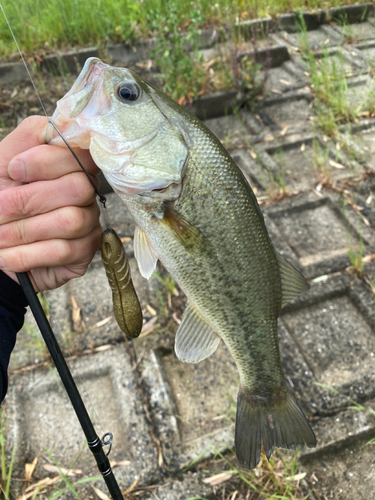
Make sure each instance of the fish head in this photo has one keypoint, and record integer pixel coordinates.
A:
(134, 137)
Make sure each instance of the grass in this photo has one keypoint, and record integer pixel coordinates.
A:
(6, 471)
(52, 25)
(276, 478)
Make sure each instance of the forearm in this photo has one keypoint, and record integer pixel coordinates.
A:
(12, 311)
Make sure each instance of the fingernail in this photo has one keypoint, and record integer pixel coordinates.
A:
(17, 170)
(2, 263)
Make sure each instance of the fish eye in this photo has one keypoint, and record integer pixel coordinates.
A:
(128, 92)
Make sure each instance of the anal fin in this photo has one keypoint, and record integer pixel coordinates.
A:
(292, 281)
(195, 339)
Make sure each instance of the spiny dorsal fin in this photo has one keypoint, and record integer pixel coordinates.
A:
(188, 235)
(292, 281)
(195, 339)
(144, 253)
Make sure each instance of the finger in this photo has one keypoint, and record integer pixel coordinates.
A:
(30, 133)
(51, 253)
(44, 196)
(48, 162)
(64, 223)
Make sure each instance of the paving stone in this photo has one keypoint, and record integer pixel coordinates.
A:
(250, 168)
(339, 61)
(189, 403)
(319, 233)
(284, 78)
(344, 474)
(365, 50)
(12, 73)
(361, 92)
(325, 36)
(231, 130)
(189, 485)
(365, 141)
(358, 31)
(291, 22)
(289, 115)
(43, 421)
(68, 62)
(351, 13)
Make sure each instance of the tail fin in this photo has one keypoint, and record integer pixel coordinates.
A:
(276, 420)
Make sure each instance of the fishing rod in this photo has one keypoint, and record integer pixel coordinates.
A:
(95, 444)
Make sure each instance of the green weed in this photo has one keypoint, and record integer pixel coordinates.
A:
(6, 471)
(355, 252)
(277, 189)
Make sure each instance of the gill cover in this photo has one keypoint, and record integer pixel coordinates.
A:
(112, 112)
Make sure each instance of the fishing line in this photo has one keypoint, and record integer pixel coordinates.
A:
(95, 444)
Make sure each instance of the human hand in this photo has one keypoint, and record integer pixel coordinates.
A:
(49, 218)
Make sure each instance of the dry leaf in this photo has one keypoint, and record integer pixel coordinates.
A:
(177, 320)
(269, 138)
(285, 82)
(151, 310)
(284, 130)
(103, 321)
(335, 164)
(62, 470)
(121, 462)
(125, 239)
(29, 469)
(78, 324)
(297, 477)
(217, 479)
(149, 326)
(100, 494)
(303, 147)
(102, 348)
(276, 91)
(369, 199)
(131, 488)
(252, 154)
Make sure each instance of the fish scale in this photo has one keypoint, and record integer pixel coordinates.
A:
(196, 213)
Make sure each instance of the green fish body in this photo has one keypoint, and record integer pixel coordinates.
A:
(197, 214)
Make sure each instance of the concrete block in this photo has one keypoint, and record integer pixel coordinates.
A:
(43, 423)
(12, 72)
(319, 233)
(292, 22)
(351, 13)
(214, 105)
(71, 62)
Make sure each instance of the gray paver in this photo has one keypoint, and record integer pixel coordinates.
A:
(44, 423)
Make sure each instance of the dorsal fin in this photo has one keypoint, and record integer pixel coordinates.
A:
(292, 281)
(195, 339)
(144, 253)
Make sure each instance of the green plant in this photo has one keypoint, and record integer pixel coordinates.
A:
(355, 252)
(6, 471)
(177, 55)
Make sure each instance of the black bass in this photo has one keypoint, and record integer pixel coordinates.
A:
(195, 212)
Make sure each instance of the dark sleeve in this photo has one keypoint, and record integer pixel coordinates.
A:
(12, 311)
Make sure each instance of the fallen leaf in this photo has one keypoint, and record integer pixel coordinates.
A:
(78, 324)
(297, 477)
(125, 239)
(369, 199)
(285, 82)
(217, 479)
(303, 147)
(252, 154)
(335, 164)
(103, 321)
(29, 469)
(131, 488)
(284, 131)
(120, 462)
(177, 320)
(276, 91)
(100, 494)
(62, 470)
(151, 310)
(149, 326)
(102, 348)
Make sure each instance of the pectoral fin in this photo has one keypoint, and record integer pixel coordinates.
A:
(292, 281)
(144, 253)
(188, 235)
(195, 339)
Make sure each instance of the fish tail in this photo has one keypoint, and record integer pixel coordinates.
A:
(271, 420)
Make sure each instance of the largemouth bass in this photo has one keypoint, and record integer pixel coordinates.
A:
(197, 214)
